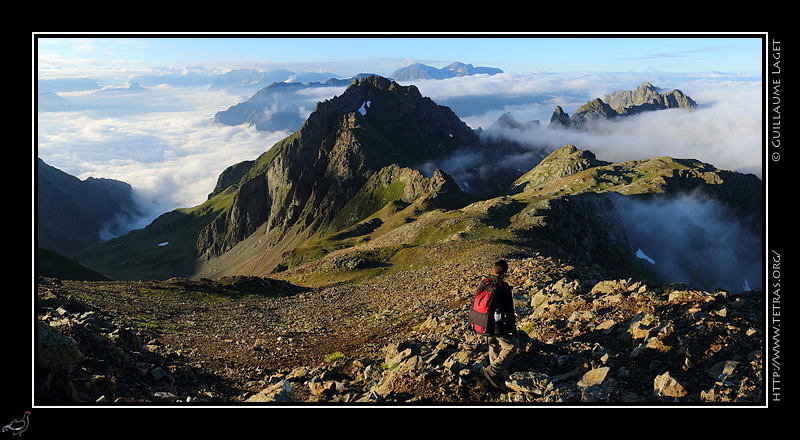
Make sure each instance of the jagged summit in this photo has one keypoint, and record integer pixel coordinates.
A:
(646, 97)
(418, 127)
(303, 181)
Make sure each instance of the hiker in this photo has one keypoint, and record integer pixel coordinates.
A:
(492, 315)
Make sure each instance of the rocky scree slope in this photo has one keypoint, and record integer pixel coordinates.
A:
(397, 339)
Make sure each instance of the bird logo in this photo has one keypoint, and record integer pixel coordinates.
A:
(18, 426)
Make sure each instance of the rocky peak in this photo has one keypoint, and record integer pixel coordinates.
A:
(460, 69)
(593, 110)
(560, 118)
(306, 179)
(629, 98)
(646, 97)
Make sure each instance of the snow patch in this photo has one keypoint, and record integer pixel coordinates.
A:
(364, 107)
(643, 256)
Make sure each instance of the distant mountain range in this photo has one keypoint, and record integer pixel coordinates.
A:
(260, 83)
(275, 106)
(417, 71)
(345, 196)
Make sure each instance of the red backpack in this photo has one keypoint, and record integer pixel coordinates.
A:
(480, 316)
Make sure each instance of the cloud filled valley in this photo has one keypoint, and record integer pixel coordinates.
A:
(163, 140)
(694, 240)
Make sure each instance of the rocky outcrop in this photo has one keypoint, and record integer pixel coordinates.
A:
(250, 209)
(589, 113)
(613, 341)
(645, 98)
(561, 163)
(507, 121)
(231, 176)
(83, 355)
(560, 118)
(401, 186)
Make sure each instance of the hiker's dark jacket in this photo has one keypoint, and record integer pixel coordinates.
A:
(481, 319)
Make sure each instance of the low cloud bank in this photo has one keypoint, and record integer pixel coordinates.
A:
(725, 131)
(163, 143)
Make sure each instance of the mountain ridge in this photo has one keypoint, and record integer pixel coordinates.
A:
(417, 71)
(646, 97)
(287, 207)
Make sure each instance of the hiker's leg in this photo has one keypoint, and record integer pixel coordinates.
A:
(494, 349)
(501, 351)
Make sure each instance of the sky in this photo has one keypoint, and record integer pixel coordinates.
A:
(165, 144)
(383, 53)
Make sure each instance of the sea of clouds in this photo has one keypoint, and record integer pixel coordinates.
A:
(163, 141)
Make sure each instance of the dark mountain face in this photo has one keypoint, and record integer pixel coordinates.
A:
(73, 214)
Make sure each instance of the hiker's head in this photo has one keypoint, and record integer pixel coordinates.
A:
(500, 268)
